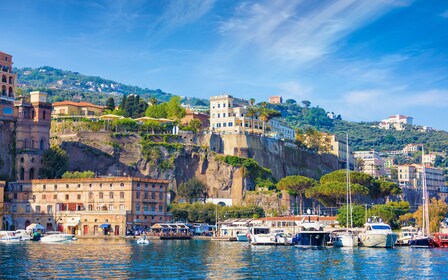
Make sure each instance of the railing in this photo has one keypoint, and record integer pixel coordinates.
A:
(120, 212)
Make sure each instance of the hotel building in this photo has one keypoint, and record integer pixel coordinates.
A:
(88, 206)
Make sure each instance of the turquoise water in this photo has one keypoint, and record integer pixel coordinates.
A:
(203, 259)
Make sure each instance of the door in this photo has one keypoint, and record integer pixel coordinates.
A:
(117, 230)
(85, 230)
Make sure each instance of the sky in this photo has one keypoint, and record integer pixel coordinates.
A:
(365, 60)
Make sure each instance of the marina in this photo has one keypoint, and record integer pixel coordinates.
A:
(205, 259)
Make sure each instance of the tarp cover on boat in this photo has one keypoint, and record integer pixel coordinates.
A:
(104, 225)
(35, 227)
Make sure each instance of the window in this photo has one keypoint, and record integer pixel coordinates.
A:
(90, 195)
(121, 207)
(137, 195)
(160, 208)
(153, 195)
(101, 195)
(219, 115)
(90, 186)
(55, 196)
(66, 186)
(224, 124)
(34, 197)
(101, 186)
(44, 197)
(111, 207)
(219, 106)
(122, 185)
(137, 207)
(110, 186)
(224, 105)
(90, 207)
(55, 187)
(44, 187)
(49, 209)
(111, 195)
(78, 197)
(153, 186)
(161, 196)
(28, 208)
(79, 186)
(15, 196)
(66, 197)
(146, 195)
(37, 209)
(223, 115)
(161, 188)
(145, 207)
(122, 195)
(138, 186)
(146, 186)
(14, 208)
(153, 208)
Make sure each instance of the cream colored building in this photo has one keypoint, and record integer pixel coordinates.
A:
(371, 163)
(410, 177)
(7, 86)
(397, 122)
(87, 206)
(70, 108)
(338, 147)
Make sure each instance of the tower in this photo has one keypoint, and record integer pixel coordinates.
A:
(7, 86)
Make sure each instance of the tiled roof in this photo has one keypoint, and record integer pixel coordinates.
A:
(78, 104)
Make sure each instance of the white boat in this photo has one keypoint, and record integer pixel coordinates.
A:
(347, 238)
(142, 240)
(406, 234)
(242, 237)
(24, 234)
(56, 236)
(377, 234)
(259, 235)
(9, 237)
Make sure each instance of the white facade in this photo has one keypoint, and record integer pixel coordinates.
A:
(396, 121)
(281, 130)
(372, 163)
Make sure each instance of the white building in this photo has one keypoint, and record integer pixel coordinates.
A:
(397, 122)
(371, 163)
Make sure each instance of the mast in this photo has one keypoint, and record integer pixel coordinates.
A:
(348, 189)
(425, 209)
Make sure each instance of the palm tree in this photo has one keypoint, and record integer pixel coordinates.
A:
(251, 113)
(267, 114)
(252, 102)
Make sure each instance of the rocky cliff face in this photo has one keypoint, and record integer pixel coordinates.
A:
(123, 155)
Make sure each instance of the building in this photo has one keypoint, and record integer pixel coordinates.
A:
(429, 159)
(397, 122)
(193, 115)
(2, 198)
(280, 130)
(410, 177)
(370, 162)
(70, 108)
(7, 86)
(275, 99)
(338, 147)
(88, 206)
(32, 134)
(411, 148)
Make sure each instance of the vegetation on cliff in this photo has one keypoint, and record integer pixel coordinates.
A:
(55, 163)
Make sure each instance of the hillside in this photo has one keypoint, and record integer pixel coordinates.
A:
(68, 85)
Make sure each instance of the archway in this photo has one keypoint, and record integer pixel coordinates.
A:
(31, 173)
(22, 173)
(27, 223)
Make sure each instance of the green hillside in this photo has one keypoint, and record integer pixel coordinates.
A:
(68, 85)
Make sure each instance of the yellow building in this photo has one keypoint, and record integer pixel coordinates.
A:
(70, 108)
(7, 86)
(338, 147)
(89, 206)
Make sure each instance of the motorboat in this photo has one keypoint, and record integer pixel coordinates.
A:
(406, 234)
(282, 238)
(311, 236)
(56, 236)
(142, 240)
(261, 235)
(9, 237)
(377, 234)
(242, 236)
(441, 239)
(24, 234)
(346, 238)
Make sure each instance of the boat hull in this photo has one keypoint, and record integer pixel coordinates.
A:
(311, 240)
(422, 242)
(57, 238)
(378, 240)
(242, 237)
(346, 240)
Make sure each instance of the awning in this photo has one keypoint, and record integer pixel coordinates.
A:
(35, 226)
(105, 226)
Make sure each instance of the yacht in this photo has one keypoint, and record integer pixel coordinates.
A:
(377, 234)
(346, 238)
(311, 236)
(260, 235)
(9, 237)
(406, 234)
(56, 236)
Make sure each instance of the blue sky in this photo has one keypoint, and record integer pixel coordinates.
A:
(365, 60)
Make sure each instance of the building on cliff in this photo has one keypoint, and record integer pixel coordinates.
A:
(76, 109)
(24, 125)
(371, 163)
(190, 114)
(338, 147)
(410, 177)
(88, 206)
(231, 115)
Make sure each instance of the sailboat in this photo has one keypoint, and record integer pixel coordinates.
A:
(347, 238)
(423, 240)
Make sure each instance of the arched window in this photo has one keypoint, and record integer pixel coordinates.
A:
(25, 143)
(22, 173)
(111, 195)
(31, 173)
(49, 209)
(37, 209)
(101, 195)
(44, 115)
(11, 80)
(42, 144)
(3, 90)
(10, 92)
(4, 78)
(32, 143)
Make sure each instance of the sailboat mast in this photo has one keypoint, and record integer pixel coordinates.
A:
(348, 190)
(425, 210)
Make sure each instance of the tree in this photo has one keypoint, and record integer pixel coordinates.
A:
(251, 113)
(152, 101)
(151, 125)
(194, 125)
(290, 101)
(382, 188)
(358, 215)
(110, 104)
(157, 111)
(77, 174)
(306, 103)
(127, 124)
(192, 190)
(55, 163)
(123, 102)
(438, 210)
(267, 114)
(296, 186)
(252, 102)
(174, 110)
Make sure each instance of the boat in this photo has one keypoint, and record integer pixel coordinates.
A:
(9, 237)
(56, 236)
(377, 234)
(142, 240)
(423, 240)
(441, 239)
(261, 235)
(406, 234)
(24, 234)
(311, 236)
(347, 238)
(242, 237)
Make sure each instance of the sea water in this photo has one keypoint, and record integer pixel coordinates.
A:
(205, 259)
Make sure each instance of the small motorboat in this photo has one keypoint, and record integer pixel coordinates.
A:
(56, 236)
(142, 240)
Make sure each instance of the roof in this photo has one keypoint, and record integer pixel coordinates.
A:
(77, 104)
(98, 179)
(299, 218)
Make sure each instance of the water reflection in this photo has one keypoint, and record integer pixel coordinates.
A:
(201, 259)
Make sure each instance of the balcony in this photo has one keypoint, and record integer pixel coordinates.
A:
(115, 212)
(150, 200)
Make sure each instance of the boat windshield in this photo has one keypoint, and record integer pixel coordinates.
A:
(380, 227)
